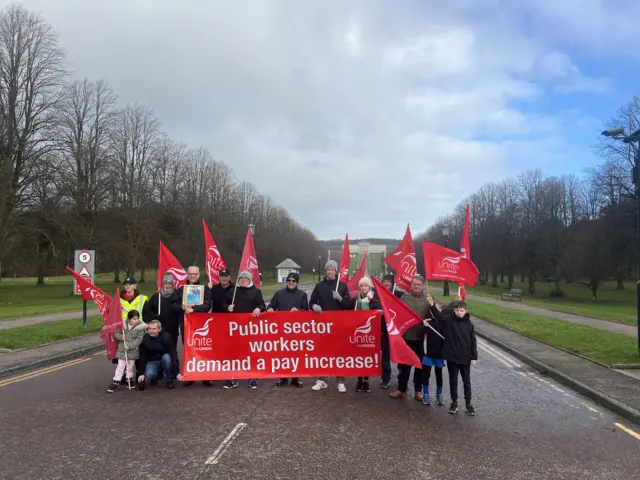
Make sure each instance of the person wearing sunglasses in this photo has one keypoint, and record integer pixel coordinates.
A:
(289, 299)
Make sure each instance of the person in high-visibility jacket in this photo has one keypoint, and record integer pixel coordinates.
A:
(131, 299)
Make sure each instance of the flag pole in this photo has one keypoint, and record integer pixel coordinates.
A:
(126, 357)
(437, 332)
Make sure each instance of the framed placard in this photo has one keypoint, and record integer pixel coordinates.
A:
(193, 295)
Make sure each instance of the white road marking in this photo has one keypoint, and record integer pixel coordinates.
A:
(496, 357)
(213, 459)
(500, 354)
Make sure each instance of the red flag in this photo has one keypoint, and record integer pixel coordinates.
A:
(215, 262)
(345, 261)
(443, 264)
(249, 261)
(168, 263)
(465, 249)
(91, 292)
(352, 284)
(112, 323)
(403, 261)
(399, 318)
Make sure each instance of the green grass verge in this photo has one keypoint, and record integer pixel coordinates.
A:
(613, 304)
(35, 335)
(22, 298)
(600, 345)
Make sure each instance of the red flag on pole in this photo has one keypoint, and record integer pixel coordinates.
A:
(443, 264)
(112, 324)
(345, 262)
(249, 260)
(399, 318)
(167, 262)
(215, 262)
(403, 261)
(465, 248)
(91, 292)
(352, 284)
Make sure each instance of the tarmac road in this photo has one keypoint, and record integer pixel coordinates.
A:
(62, 424)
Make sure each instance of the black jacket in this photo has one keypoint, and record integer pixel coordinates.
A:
(434, 342)
(204, 308)
(169, 317)
(287, 298)
(247, 300)
(460, 345)
(153, 348)
(221, 298)
(323, 295)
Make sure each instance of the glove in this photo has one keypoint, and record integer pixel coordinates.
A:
(336, 296)
(317, 309)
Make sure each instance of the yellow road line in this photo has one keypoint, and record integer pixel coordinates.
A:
(42, 371)
(99, 353)
(591, 409)
(628, 430)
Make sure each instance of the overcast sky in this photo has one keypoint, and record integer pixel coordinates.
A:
(362, 116)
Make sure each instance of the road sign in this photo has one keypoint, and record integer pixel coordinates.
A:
(85, 263)
(85, 257)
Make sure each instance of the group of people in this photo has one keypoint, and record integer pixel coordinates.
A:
(148, 345)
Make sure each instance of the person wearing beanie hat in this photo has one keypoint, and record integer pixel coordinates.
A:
(330, 294)
(366, 299)
(389, 281)
(160, 307)
(289, 299)
(248, 299)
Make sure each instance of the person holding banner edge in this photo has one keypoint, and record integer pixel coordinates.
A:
(247, 299)
(330, 294)
(388, 280)
(290, 299)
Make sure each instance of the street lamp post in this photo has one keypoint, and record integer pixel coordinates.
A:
(445, 234)
(633, 141)
(319, 258)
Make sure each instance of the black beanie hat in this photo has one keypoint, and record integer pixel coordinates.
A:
(390, 277)
(294, 275)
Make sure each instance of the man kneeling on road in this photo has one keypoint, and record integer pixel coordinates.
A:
(290, 299)
(157, 352)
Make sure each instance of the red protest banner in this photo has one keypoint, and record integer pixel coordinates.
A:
(281, 344)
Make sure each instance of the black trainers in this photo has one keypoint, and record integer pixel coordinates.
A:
(366, 387)
(230, 384)
(453, 409)
(384, 384)
(470, 410)
(153, 381)
(359, 385)
(253, 385)
(207, 383)
(170, 384)
(142, 385)
(296, 383)
(113, 386)
(281, 383)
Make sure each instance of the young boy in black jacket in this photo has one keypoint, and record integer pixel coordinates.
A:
(459, 350)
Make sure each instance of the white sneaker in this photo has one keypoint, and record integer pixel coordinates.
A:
(342, 388)
(319, 385)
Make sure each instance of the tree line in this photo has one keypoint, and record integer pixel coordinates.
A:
(559, 229)
(79, 170)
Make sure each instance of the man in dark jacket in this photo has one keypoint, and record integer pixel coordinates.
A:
(416, 300)
(222, 292)
(157, 353)
(330, 294)
(160, 306)
(248, 299)
(290, 299)
(460, 350)
(193, 278)
(389, 282)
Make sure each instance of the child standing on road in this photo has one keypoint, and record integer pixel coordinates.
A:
(433, 357)
(129, 341)
(459, 350)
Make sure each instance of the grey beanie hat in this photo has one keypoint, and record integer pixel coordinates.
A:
(168, 278)
(331, 264)
(245, 274)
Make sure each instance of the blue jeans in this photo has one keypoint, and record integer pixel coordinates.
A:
(153, 366)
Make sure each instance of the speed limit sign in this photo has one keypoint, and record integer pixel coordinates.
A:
(84, 257)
